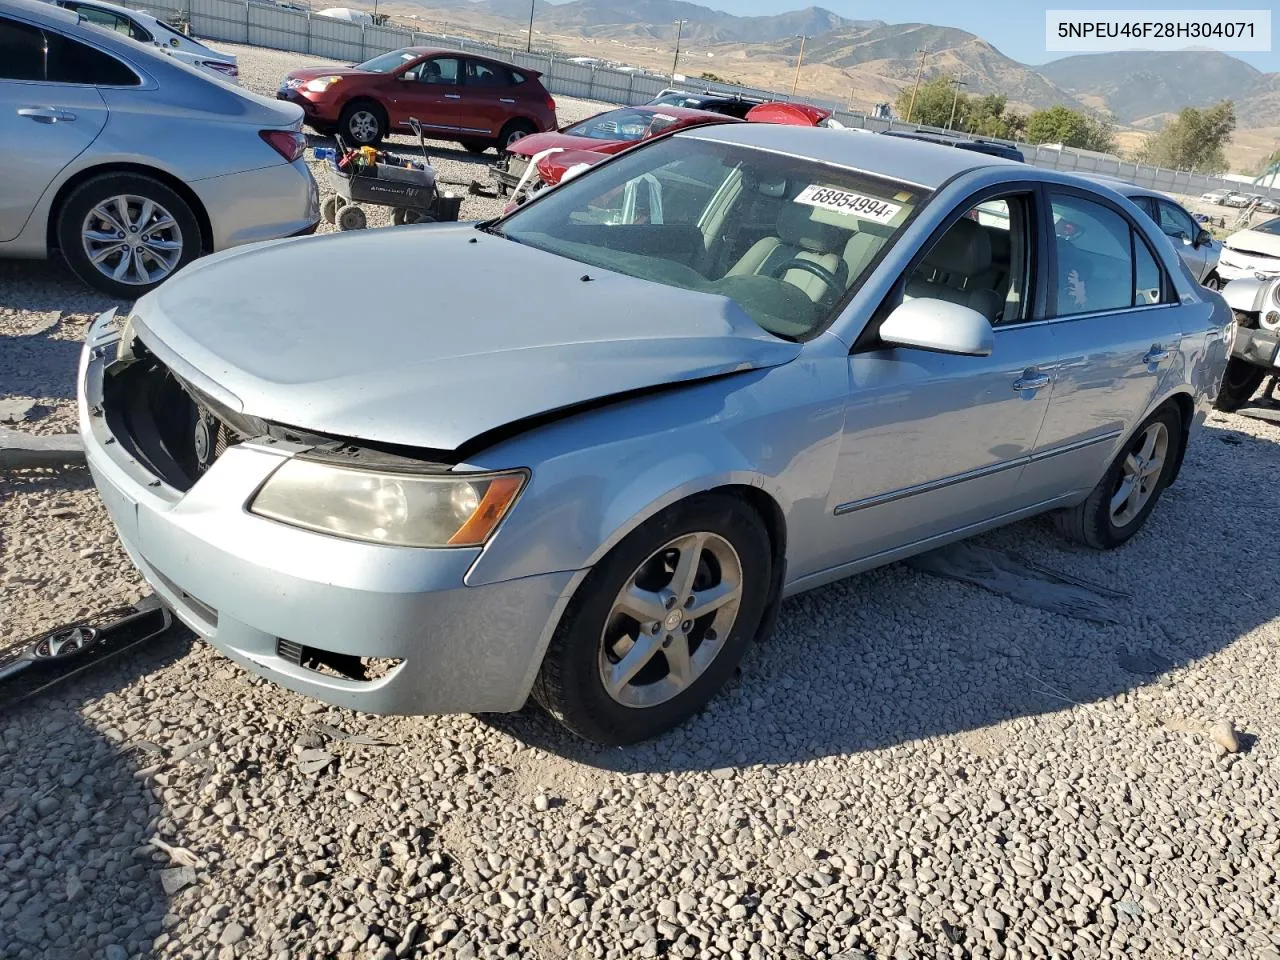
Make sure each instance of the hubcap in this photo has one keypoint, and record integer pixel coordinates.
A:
(363, 126)
(513, 136)
(670, 620)
(1139, 474)
(132, 240)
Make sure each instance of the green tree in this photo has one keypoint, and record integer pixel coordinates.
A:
(989, 116)
(1071, 128)
(933, 103)
(1194, 140)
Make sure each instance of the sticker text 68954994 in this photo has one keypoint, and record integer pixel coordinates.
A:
(853, 204)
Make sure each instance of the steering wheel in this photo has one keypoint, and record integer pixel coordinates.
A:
(819, 271)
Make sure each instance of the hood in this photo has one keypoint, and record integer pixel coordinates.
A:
(553, 167)
(537, 142)
(430, 336)
(1255, 243)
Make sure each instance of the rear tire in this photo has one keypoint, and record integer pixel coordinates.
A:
(728, 550)
(362, 123)
(513, 131)
(160, 237)
(329, 209)
(351, 217)
(1098, 522)
(1239, 384)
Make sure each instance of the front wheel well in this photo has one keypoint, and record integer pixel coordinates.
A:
(170, 181)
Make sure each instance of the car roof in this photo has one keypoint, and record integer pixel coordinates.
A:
(909, 160)
(45, 12)
(1124, 187)
(114, 8)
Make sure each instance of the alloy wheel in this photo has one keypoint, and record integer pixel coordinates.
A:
(670, 620)
(363, 126)
(513, 136)
(1140, 474)
(132, 240)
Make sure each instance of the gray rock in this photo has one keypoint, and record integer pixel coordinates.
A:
(232, 934)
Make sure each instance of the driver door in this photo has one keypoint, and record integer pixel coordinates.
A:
(934, 444)
(431, 92)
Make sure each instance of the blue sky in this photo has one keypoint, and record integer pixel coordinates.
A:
(1016, 28)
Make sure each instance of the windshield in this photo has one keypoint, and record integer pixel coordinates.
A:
(388, 61)
(785, 239)
(1269, 226)
(627, 125)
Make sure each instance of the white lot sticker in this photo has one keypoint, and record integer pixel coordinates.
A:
(854, 204)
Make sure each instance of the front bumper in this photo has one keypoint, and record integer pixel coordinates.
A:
(1234, 266)
(258, 590)
(266, 204)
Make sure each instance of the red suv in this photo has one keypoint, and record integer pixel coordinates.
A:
(479, 102)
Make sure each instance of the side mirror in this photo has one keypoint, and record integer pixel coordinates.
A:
(1203, 238)
(939, 326)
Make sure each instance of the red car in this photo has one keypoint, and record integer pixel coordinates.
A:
(606, 133)
(479, 102)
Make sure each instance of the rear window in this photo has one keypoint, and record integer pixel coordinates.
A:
(629, 125)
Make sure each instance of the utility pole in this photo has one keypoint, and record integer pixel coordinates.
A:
(799, 60)
(674, 63)
(528, 47)
(955, 99)
(914, 90)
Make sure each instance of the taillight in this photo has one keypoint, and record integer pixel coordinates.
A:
(288, 143)
(551, 103)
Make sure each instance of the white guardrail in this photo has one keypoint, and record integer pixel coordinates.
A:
(283, 28)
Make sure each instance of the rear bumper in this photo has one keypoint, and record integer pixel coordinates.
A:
(265, 204)
(258, 590)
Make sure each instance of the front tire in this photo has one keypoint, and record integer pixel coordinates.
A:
(513, 131)
(126, 233)
(362, 123)
(1239, 384)
(632, 657)
(1119, 505)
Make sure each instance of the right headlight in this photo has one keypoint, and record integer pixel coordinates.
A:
(404, 509)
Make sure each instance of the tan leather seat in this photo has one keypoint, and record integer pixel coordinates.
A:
(800, 237)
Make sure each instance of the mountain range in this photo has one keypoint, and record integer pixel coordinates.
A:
(1137, 89)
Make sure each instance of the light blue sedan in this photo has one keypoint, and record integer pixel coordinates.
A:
(584, 451)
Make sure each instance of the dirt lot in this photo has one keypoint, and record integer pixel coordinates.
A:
(911, 768)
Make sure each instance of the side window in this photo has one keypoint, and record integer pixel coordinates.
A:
(482, 75)
(70, 61)
(104, 19)
(21, 51)
(517, 77)
(1095, 260)
(437, 70)
(1148, 281)
(1176, 222)
(982, 261)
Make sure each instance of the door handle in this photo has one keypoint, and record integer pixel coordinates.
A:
(46, 114)
(506, 100)
(453, 96)
(1156, 355)
(1031, 381)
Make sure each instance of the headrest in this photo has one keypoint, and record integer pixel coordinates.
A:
(797, 227)
(1001, 246)
(964, 249)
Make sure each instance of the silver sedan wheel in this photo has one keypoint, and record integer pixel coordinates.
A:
(363, 125)
(132, 240)
(1140, 473)
(670, 620)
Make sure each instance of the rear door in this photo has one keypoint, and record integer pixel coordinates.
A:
(488, 99)
(431, 92)
(47, 119)
(1116, 336)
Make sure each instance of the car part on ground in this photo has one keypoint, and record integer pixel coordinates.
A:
(752, 372)
(477, 101)
(127, 195)
(29, 667)
(1255, 351)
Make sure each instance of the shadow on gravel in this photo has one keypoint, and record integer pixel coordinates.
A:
(38, 365)
(78, 878)
(896, 655)
(47, 285)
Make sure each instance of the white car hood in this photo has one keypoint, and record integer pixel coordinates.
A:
(430, 336)
(1253, 242)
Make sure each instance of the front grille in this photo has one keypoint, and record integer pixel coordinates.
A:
(288, 650)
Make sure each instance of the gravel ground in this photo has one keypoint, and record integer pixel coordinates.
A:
(883, 781)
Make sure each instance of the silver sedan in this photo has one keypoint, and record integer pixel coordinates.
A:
(620, 425)
(131, 164)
